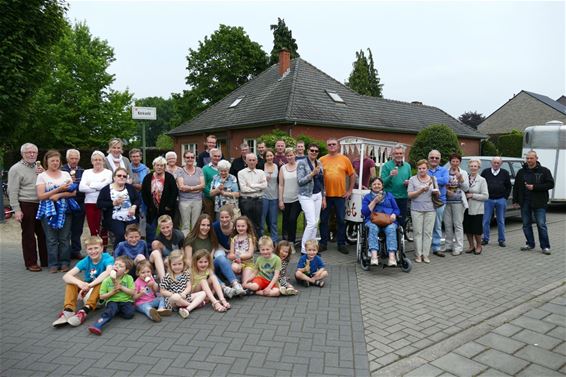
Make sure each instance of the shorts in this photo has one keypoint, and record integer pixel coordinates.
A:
(248, 263)
(261, 282)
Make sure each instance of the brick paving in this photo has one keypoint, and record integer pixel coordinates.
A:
(440, 319)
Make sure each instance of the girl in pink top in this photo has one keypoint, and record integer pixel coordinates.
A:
(145, 297)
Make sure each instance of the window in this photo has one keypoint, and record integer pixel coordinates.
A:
(189, 147)
(252, 143)
(335, 96)
(236, 102)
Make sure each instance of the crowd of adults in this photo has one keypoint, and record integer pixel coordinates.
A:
(51, 200)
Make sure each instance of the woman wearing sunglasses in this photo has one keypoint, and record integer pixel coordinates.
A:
(119, 202)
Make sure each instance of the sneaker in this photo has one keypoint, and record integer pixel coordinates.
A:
(546, 251)
(502, 244)
(248, 292)
(164, 312)
(527, 248)
(283, 291)
(63, 318)
(426, 260)
(484, 242)
(78, 319)
(392, 263)
(374, 261)
(418, 259)
(154, 315)
(239, 290)
(343, 249)
(184, 313)
(456, 253)
(291, 291)
(95, 330)
(304, 283)
(228, 291)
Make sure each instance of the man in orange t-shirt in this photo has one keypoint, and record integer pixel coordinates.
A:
(336, 168)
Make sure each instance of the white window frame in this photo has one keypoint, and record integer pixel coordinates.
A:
(252, 143)
(189, 147)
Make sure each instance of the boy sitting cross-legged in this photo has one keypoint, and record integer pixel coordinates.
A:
(310, 268)
(96, 267)
(118, 290)
(267, 270)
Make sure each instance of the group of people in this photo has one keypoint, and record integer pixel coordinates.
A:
(462, 201)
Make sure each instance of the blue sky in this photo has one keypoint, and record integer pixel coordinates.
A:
(458, 56)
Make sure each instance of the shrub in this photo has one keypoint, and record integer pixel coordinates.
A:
(511, 144)
(271, 138)
(488, 148)
(436, 136)
(164, 142)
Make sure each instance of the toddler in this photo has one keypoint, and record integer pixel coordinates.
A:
(145, 297)
(283, 251)
(310, 268)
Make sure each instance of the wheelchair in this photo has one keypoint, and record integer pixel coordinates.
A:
(364, 257)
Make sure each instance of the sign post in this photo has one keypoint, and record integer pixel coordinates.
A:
(144, 113)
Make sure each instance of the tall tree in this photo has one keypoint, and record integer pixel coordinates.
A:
(28, 30)
(364, 78)
(282, 38)
(76, 105)
(223, 62)
(472, 119)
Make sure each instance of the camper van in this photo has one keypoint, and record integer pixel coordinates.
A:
(549, 141)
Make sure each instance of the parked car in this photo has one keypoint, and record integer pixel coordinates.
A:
(511, 164)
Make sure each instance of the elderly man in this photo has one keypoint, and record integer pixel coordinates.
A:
(209, 171)
(72, 167)
(337, 168)
(530, 192)
(252, 182)
(442, 177)
(499, 187)
(395, 175)
(23, 198)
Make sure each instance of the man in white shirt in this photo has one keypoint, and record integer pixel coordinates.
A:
(252, 183)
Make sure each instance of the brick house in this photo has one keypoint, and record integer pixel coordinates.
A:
(523, 110)
(298, 98)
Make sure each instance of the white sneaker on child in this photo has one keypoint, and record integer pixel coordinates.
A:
(239, 290)
(184, 313)
(228, 291)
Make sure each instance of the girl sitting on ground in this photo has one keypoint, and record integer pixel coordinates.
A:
(283, 251)
(205, 280)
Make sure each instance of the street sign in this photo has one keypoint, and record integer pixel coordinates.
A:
(147, 113)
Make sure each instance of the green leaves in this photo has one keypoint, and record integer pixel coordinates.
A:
(282, 38)
(364, 79)
(436, 136)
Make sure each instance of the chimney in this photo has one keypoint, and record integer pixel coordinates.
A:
(284, 61)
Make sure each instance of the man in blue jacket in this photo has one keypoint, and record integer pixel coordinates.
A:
(441, 175)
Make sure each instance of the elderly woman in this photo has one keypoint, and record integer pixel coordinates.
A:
(159, 193)
(456, 204)
(311, 192)
(114, 159)
(92, 182)
(119, 202)
(477, 195)
(224, 188)
(53, 188)
(190, 181)
(289, 196)
(172, 168)
(423, 213)
(270, 196)
(379, 201)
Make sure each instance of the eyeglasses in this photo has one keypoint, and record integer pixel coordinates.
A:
(30, 152)
(189, 157)
(121, 176)
(434, 158)
(313, 150)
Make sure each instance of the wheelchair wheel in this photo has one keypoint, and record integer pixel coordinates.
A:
(406, 265)
(352, 232)
(363, 257)
(409, 230)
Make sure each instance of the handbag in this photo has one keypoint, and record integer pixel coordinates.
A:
(436, 201)
(380, 219)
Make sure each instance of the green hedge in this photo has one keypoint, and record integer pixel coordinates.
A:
(510, 145)
(436, 136)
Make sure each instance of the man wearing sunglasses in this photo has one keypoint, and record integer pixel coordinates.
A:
(337, 168)
(442, 177)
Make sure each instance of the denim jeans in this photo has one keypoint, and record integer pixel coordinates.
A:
(540, 217)
(223, 269)
(150, 231)
(118, 228)
(339, 205)
(437, 230)
(58, 243)
(157, 303)
(499, 205)
(402, 204)
(390, 237)
(126, 310)
(269, 213)
(77, 224)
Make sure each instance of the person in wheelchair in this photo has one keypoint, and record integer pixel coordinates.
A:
(381, 202)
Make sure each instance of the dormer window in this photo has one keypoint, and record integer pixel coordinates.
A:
(236, 102)
(335, 96)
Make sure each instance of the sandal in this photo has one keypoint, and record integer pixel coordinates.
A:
(218, 307)
(470, 251)
(476, 252)
(225, 303)
(319, 283)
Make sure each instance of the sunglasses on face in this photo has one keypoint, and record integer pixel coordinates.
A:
(121, 176)
(189, 157)
(313, 150)
(434, 158)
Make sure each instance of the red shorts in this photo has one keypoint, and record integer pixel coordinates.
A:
(261, 282)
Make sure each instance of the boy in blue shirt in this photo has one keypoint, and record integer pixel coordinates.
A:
(96, 267)
(311, 268)
(133, 247)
